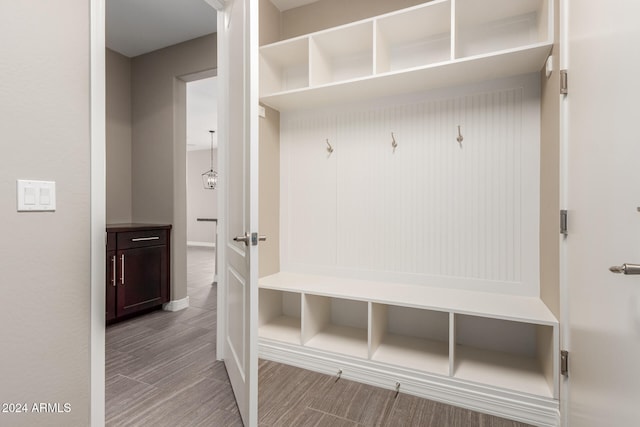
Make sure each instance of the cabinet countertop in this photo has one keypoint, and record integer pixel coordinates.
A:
(136, 226)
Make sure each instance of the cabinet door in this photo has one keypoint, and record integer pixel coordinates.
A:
(111, 286)
(142, 279)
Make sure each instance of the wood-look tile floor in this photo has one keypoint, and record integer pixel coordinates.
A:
(161, 371)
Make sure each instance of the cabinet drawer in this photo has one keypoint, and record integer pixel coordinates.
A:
(139, 239)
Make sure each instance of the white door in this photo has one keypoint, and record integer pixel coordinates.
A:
(603, 194)
(238, 125)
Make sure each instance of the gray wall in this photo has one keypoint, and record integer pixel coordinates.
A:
(45, 257)
(201, 203)
(118, 135)
(158, 154)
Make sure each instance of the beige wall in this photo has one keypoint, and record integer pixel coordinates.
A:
(550, 180)
(118, 134)
(330, 13)
(45, 257)
(269, 193)
(158, 154)
(201, 203)
(270, 23)
(269, 162)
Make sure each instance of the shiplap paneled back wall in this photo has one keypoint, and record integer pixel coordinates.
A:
(434, 211)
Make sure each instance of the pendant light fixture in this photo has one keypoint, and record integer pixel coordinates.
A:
(210, 177)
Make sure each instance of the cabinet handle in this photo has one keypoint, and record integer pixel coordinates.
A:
(113, 270)
(122, 270)
(144, 239)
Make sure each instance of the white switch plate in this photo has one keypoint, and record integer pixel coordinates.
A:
(36, 196)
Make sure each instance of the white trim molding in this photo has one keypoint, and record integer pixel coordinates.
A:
(522, 407)
(201, 244)
(98, 219)
(176, 305)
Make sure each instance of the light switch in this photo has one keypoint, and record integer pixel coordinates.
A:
(29, 196)
(44, 199)
(36, 196)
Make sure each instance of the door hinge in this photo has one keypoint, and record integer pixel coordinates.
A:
(563, 222)
(564, 363)
(564, 83)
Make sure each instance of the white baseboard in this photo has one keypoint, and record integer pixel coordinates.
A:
(176, 305)
(204, 244)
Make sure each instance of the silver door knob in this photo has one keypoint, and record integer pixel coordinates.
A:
(245, 239)
(252, 238)
(625, 269)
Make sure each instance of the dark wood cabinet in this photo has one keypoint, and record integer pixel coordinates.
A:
(137, 268)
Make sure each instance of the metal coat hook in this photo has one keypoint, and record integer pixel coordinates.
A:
(329, 147)
(460, 138)
(394, 144)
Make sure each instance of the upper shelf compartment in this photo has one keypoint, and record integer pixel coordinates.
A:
(436, 44)
(496, 25)
(413, 38)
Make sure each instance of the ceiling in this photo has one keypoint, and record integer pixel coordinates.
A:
(136, 27)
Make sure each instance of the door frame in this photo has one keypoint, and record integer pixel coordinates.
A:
(563, 184)
(98, 197)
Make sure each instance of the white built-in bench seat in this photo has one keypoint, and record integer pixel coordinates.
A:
(452, 345)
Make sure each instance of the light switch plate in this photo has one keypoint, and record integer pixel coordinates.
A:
(36, 196)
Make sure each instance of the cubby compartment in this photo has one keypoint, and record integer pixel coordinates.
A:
(336, 325)
(507, 354)
(495, 25)
(284, 66)
(410, 337)
(415, 37)
(279, 316)
(341, 54)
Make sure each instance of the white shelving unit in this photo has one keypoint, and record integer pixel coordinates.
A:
(435, 44)
(491, 352)
(426, 338)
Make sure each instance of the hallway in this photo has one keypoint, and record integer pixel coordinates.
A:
(161, 368)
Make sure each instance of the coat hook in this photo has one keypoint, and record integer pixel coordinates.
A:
(394, 144)
(329, 147)
(460, 138)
